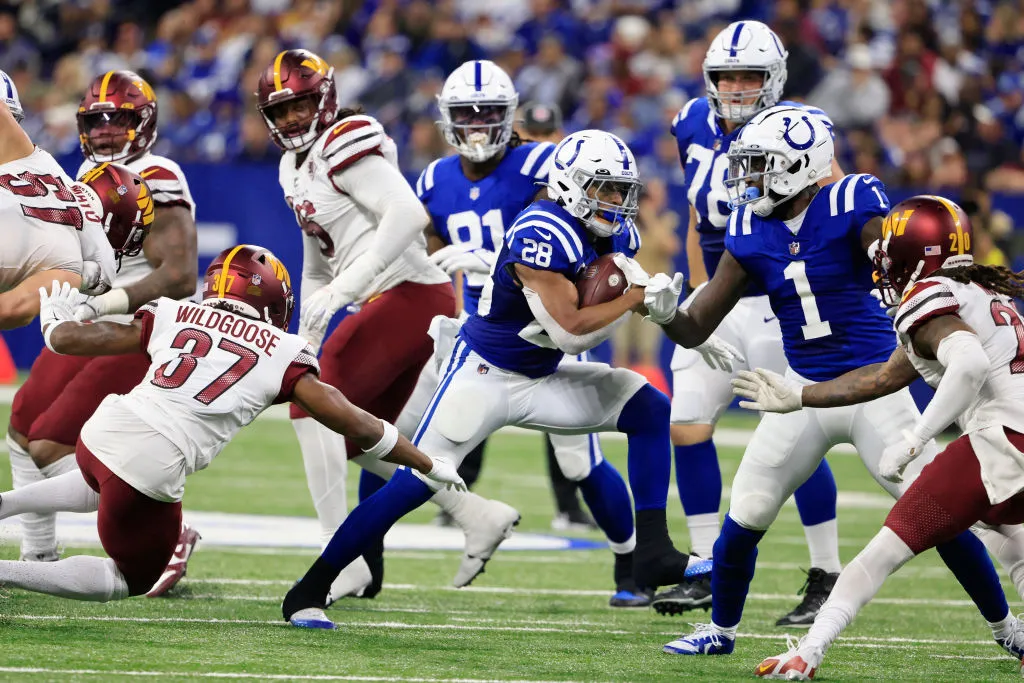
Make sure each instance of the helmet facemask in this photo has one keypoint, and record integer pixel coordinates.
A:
(298, 135)
(478, 130)
(751, 179)
(738, 106)
(608, 203)
(108, 135)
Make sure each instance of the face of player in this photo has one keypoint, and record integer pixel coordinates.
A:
(293, 118)
(108, 132)
(612, 197)
(740, 87)
(477, 124)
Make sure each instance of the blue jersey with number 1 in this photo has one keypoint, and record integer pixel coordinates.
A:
(818, 280)
(476, 212)
(543, 237)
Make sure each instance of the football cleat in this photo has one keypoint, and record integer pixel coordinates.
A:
(176, 568)
(41, 556)
(1014, 642)
(706, 639)
(796, 664)
(311, 617)
(816, 589)
(492, 525)
(627, 594)
(351, 582)
(684, 597)
(577, 520)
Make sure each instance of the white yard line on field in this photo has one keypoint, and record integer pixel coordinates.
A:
(250, 676)
(851, 641)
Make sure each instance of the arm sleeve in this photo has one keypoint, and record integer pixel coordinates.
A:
(379, 187)
(304, 363)
(927, 299)
(146, 314)
(566, 341)
(967, 366)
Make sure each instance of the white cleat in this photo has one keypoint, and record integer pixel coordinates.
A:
(796, 664)
(311, 617)
(40, 556)
(188, 537)
(1014, 642)
(491, 525)
(351, 582)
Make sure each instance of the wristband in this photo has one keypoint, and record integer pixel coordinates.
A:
(48, 332)
(387, 441)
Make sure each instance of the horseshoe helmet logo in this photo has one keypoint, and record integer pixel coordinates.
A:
(790, 127)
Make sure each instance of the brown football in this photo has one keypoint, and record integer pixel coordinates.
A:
(601, 282)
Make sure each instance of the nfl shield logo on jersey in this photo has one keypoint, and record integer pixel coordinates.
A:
(474, 193)
(794, 248)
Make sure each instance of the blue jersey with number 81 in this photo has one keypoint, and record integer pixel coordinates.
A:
(543, 237)
(819, 280)
(475, 212)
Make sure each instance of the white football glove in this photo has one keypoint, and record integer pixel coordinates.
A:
(661, 297)
(113, 302)
(896, 457)
(719, 354)
(465, 258)
(319, 308)
(767, 391)
(57, 305)
(445, 472)
(634, 272)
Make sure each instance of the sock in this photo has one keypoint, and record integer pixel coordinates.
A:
(367, 524)
(1003, 628)
(823, 543)
(967, 558)
(68, 492)
(699, 480)
(735, 555)
(645, 421)
(369, 484)
(69, 463)
(816, 503)
(324, 457)
(703, 533)
(858, 583)
(38, 532)
(608, 499)
(1007, 544)
(81, 577)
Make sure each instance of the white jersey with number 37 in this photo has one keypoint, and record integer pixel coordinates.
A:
(41, 216)
(213, 371)
(999, 327)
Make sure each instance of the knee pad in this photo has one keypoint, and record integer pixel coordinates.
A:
(462, 412)
(573, 456)
(755, 510)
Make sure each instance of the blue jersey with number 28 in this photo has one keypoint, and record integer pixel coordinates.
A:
(543, 237)
(819, 280)
(475, 212)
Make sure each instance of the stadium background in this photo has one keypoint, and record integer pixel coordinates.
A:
(927, 95)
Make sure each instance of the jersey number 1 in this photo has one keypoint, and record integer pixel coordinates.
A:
(815, 327)
(202, 344)
(1003, 315)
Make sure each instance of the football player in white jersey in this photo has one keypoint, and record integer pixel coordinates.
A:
(53, 230)
(117, 122)
(214, 367)
(960, 330)
(363, 251)
(744, 74)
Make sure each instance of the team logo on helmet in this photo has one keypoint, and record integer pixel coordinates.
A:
(788, 123)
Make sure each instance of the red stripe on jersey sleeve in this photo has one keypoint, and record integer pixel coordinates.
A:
(918, 288)
(344, 127)
(348, 161)
(159, 173)
(147, 316)
(292, 375)
(953, 309)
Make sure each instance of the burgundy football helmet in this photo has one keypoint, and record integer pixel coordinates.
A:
(252, 281)
(919, 236)
(127, 203)
(117, 117)
(297, 75)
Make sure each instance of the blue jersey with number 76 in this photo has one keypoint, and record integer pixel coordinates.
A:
(543, 237)
(818, 279)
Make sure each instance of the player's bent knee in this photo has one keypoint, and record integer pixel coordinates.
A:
(462, 412)
(647, 408)
(754, 511)
(45, 452)
(17, 437)
(574, 468)
(690, 434)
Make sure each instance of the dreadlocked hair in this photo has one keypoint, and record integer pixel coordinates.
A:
(998, 279)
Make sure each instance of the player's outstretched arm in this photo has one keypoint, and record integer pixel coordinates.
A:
(64, 335)
(553, 300)
(20, 305)
(692, 326)
(863, 384)
(374, 436)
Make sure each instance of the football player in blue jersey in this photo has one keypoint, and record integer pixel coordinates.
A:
(471, 197)
(807, 247)
(744, 73)
(506, 368)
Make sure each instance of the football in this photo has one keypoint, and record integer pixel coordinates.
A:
(601, 282)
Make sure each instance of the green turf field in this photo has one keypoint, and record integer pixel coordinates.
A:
(538, 616)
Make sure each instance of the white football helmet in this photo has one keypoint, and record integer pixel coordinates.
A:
(594, 176)
(778, 153)
(745, 46)
(478, 106)
(9, 94)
